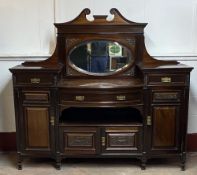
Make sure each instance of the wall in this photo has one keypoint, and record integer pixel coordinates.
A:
(27, 32)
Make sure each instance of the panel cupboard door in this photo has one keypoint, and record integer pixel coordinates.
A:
(121, 139)
(79, 140)
(36, 123)
(165, 128)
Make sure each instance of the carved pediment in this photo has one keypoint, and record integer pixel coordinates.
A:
(118, 19)
(119, 29)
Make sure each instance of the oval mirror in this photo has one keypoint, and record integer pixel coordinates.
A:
(100, 57)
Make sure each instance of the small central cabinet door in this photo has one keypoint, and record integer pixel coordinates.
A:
(36, 122)
(78, 140)
(121, 139)
(165, 127)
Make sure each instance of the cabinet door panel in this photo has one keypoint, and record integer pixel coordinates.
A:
(121, 139)
(37, 127)
(78, 140)
(165, 125)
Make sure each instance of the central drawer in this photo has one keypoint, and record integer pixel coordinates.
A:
(101, 96)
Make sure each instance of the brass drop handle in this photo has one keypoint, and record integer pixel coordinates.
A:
(166, 80)
(79, 98)
(35, 80)
(103, 141)
(52, 120)
(149, 120)
(121, 97)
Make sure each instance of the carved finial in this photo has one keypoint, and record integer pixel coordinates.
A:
(118, 18)
(86, 11)
(113, 11)
(82, 17)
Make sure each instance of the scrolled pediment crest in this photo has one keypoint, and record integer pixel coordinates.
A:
(118, 19)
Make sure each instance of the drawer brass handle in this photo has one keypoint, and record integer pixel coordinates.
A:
(121, 97)
(52, 120)
(79, 98)
(166, 80)
(103, 141)
(149, 120)
(35, 80)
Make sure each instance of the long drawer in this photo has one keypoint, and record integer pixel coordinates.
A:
(101, 97)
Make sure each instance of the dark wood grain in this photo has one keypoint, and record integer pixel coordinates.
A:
(37, 127)
(139, 111)
(164, 126)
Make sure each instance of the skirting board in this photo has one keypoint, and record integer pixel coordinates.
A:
(8, 142)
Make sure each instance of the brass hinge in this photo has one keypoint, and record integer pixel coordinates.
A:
(52, 120)
(149, 120)
(103, 141)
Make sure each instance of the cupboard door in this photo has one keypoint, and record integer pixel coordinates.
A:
(37, 128)
(165, 127)
(121, 139)
(79, 140)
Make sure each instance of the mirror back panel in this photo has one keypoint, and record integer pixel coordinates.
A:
(100, 48)
(100, 57)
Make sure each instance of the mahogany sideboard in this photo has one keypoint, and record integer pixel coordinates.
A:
(129, 105)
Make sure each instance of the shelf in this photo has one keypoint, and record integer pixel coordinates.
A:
(94, 115)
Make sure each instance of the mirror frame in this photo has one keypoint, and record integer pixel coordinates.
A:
(119, 70)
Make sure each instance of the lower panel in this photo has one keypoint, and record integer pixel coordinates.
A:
(36, 128)
(122, 139)
(78, 140)
(165, 128)
(8, 142)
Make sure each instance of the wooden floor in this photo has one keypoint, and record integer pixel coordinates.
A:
(96, 166)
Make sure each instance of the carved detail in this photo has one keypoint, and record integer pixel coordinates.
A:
(131, 41)
(183, 160)
(71, 42)
(122, 139)
(166, 96)
(102, 19)
(39, 96)
(19, 160)
(80, 140)
(143, 161)
(58, 161)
